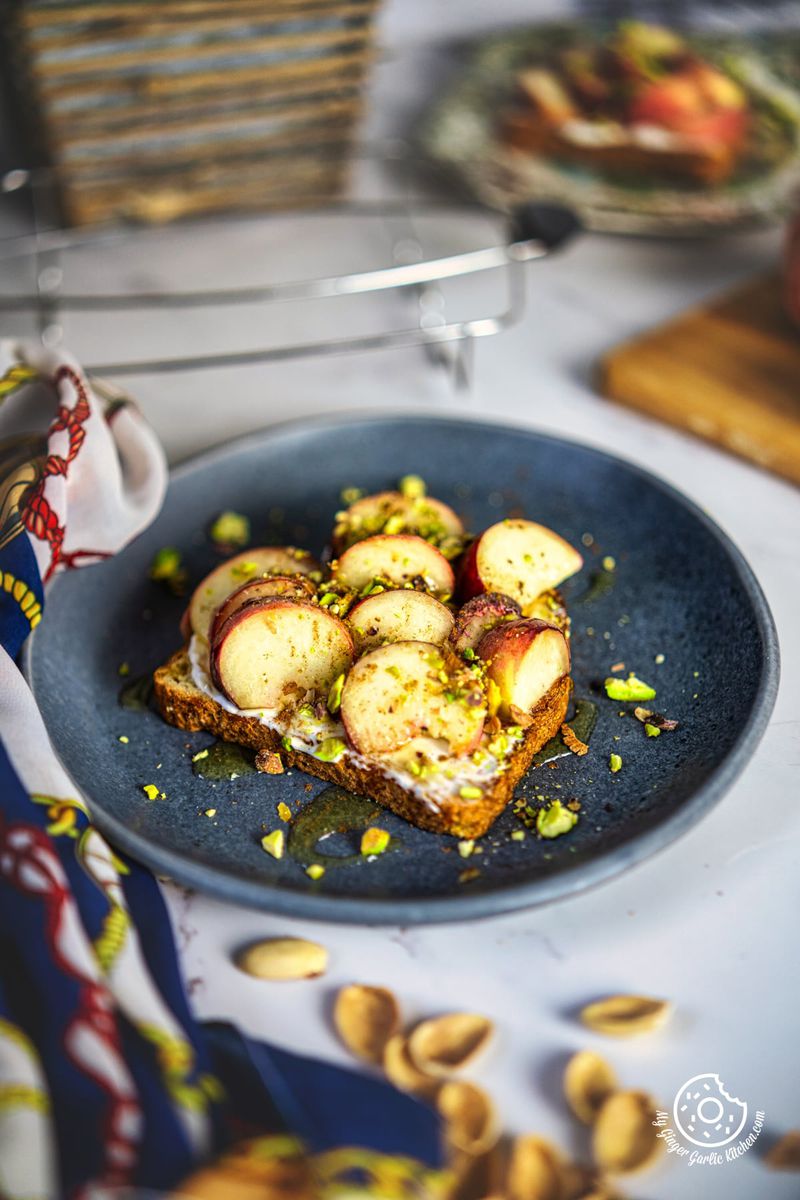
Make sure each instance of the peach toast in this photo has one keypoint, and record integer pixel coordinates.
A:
(422, 668)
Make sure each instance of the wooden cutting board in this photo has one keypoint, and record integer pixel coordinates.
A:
(728, 371)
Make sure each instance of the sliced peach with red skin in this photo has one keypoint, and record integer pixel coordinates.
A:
(279, 652)
(478, 616)
(399, 558)
(296, 587)
(518, 558)
(523, 660)
(399, 615)
(426, 516)
(403, 691)
(250, 564)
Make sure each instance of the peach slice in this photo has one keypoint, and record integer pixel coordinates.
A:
(479, 615)
(400, 558)
(523, 659)
(392, 512)
(399, 615)
(277, 653)
(251, 564)
(520, 559)
(408, 689)
(296, 587)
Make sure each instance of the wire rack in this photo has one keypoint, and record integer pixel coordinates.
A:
(530, 233)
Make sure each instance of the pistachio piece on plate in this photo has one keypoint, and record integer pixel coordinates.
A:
(588, 1082)
(365, 1019)
(283, 959)
(446, 1044)
(623, 1016)
(625, 1136)
(470, 1116)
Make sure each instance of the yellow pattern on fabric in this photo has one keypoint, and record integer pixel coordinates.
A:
(13, 1033)
(22, 1095)
(24, 596)
(14, 378)
(110, 941)
(176, 1059)
(348, 1169)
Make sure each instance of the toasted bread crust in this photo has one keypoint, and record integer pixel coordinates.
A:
(184, 705)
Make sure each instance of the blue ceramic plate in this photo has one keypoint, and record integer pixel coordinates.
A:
(679, 589)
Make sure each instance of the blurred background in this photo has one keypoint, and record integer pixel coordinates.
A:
(189, 147)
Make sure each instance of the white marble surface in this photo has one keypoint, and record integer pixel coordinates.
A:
(710, 922)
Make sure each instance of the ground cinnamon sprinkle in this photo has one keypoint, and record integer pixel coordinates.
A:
(573, 742)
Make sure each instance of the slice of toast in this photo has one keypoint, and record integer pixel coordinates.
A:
(184, 704)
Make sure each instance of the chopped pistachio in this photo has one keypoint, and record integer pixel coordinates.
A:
(615, 763)
(124, 669)
(518, 835)
(211, 812)
(412, 487)
(284, 812)
(122, 738)
(230, 529)
(470, 792)
(609, 563)
(166, 564)
(374, 841)
(273, 843)
(555, 820)
(335, 694)
(652, 730)
(394, 524)
(659, 659)
(330, 750)
(466, 847)
(201, 754)
(151, 791)
(315, 871)
(349, 495)
(629, 689)
(244, 570)
(286, 742)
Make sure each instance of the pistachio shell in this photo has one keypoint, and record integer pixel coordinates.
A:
(445, 1044)
(625, 1137)
(581, 1183)
(622, 1016)
(470, 1116)
(477, 1176)
(588, 1082)
(785, 1154)
(534, 1170)
(283, 958)
(401, 1071)
(365, 1018)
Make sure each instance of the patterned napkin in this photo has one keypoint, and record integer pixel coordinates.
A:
(106, 1079)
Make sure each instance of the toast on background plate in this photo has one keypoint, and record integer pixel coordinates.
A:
(421, 667)
(640, 102)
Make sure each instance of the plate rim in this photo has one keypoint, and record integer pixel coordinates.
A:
(565, 884)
